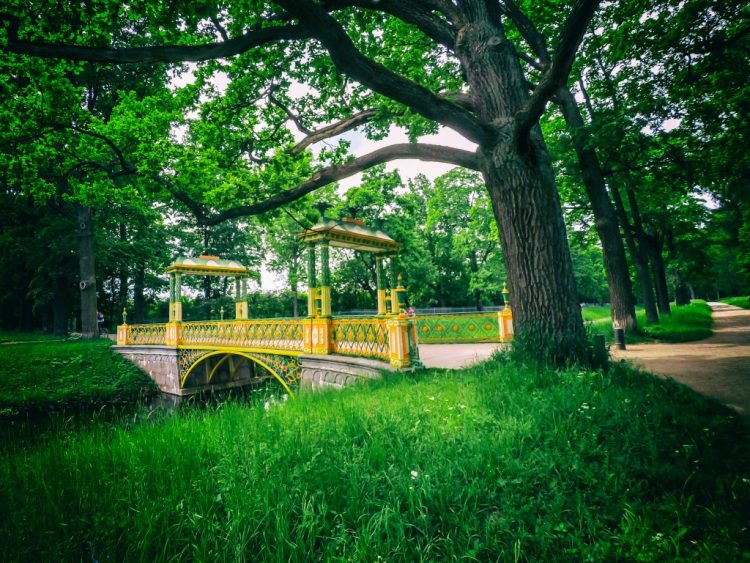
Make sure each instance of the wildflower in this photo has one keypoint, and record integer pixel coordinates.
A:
(414, 474)
(432, 398)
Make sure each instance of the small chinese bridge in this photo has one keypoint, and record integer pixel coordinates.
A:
(320, 350)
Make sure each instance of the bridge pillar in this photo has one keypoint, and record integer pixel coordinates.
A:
(312, 309)
(398, 341)
(380, 281)
(325, 280)
(505, 318)
(174, 334)
(321, 335)
(241, 310)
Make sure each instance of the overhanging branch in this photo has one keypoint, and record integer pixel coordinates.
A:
(433, 153)
(334, 129)
(558, 71)
(164, 53)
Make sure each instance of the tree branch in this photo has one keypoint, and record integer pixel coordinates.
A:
(558, 71)
(334, 129)
(432, 26)
(290, 114)
(433, 153)
(164, 53)
(530, 33)
(349, 60)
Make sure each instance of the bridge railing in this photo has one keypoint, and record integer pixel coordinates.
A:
(360, 336)
(458, 327)
(390, 338)
(273, 334)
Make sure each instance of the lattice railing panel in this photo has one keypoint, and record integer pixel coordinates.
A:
(273, 334)
(360, 337)
(458, 327)
(146, 334)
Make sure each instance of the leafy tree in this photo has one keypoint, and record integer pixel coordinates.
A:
(459, 70)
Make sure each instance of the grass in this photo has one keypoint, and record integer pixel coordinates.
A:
(17, 336)
(743, 302)
(39, 377)
(498, 462)
(687, 323)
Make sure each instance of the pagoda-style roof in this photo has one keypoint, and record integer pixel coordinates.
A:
(207, 266)
(350, 233)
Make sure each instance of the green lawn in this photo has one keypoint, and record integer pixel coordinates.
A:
(687, 323)
(53, 375)
(495, 462)
(743, 302)
(16, 336)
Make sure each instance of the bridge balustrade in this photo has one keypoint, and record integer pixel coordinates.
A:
(361, 336)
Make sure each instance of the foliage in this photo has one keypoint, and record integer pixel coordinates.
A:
(499, 462)
(743, 302)
(66, 375)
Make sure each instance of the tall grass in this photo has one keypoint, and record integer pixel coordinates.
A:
(743, 302)
(686, 323)
(497, 462)
(55, 375)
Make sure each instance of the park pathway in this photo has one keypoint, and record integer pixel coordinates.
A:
(718, 366)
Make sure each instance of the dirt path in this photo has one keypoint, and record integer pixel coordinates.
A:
(718, 366)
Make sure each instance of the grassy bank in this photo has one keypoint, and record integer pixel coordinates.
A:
(743, 302)
(16, 336)
(58, 375)
(496, 462)
(687, 323)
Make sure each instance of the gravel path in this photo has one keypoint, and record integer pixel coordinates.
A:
(718, 366)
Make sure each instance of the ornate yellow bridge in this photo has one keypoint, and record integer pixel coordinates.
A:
(318, 350)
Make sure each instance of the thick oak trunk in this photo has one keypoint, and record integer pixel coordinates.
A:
(519, 178)
(87, 284)
(615, 262)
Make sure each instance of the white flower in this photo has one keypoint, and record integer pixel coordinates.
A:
(432, 398)
(414, 474)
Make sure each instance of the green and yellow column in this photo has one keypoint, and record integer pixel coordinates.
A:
(174, 326)
(380, 281)
(322, 324)
(505, 318)
(399, 341)
(312, 311)
(394, 290)
(241, 310)
(311, 282)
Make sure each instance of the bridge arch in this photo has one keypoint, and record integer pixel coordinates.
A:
(238, 353)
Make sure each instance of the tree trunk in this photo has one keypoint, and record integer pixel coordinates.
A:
(87, 284)
(60, 307)
(520, 181)
(639, 260)
(615, 262)
(660, 275)
(138, 301)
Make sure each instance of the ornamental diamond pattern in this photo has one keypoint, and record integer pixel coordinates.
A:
(360, 337)
(274, 334)
(459, 327)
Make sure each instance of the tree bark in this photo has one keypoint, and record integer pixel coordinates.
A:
(87, 284)
(660, 275)
(138, 301)
(615, 262)
(640, 260)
